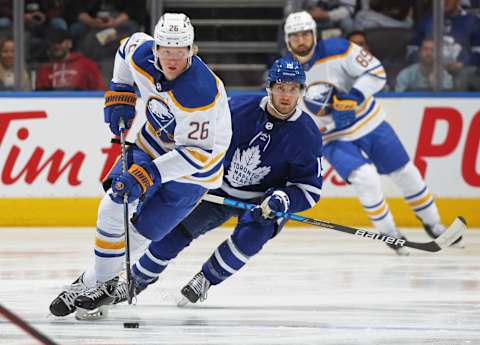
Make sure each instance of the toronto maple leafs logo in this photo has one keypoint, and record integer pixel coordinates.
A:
(245, 170)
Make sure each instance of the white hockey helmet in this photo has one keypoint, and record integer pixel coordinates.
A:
(297, 22)
(174, 30)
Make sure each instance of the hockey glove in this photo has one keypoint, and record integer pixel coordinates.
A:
(344, 108)
(119, 104)
(278, 201)
(135, 182)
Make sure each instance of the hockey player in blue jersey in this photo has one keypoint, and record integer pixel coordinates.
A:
(274, 160)
(177, 156)
(341, 81)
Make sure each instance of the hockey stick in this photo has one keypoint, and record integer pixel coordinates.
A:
(123, 155)
(454, 231)
(24, 325)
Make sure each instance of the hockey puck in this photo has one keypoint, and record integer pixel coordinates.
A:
(131, 325)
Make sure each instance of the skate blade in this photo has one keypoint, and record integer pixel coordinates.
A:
(182, 302)
(89, 315)
(402, 251)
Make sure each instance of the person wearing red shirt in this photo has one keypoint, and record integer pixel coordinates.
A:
(67, 70)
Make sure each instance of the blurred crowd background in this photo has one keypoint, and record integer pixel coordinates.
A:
(71, 44)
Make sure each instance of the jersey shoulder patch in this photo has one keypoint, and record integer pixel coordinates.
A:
(129, 44)
(241, 102)
(142, 61)
(197, 89)
(336, 46)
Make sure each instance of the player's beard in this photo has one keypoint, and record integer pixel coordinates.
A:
(303, 50)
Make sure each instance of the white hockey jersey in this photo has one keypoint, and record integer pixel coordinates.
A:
(188, 127)
(345, 65)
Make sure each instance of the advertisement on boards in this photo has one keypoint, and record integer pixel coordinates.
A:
(60, 147)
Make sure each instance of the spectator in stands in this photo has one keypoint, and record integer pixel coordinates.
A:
(67, 70)
(461, 51)
(359, 38)
(39, 14)
(6, 9)
(419, 76)
(42, 14)
(104, 22)
(327, 13)
(385, 14)
(7, 73)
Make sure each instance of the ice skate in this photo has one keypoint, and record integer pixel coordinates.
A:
(121, 290)
(63, 304)
(401, 251)
(102, 294)
(195, 290)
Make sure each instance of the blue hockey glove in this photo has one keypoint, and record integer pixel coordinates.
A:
(344, 107)
(119, 104)
(278, 201)
(135, 182)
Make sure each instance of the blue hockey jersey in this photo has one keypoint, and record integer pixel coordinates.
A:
(266, 152)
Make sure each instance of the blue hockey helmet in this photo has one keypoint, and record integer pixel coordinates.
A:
(286, 71)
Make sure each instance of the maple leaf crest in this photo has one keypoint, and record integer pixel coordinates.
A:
(244, 169)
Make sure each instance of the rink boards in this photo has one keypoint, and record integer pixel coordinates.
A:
(55, 150)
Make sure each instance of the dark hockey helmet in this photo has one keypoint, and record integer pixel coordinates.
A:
(318, 98)
(286, 71)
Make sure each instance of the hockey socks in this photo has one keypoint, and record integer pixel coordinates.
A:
(225, 261)
(417, 195)
(158, 256)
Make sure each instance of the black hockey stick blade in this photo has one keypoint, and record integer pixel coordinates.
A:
(454, 231)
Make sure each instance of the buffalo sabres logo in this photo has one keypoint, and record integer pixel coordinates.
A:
(160, 117)
(318, 98)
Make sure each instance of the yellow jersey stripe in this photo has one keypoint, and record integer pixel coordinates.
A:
(209, 179)
(214, 160)
(141, 71)
(144, 147)
(338, 56)
(358, 126)
(197, 155)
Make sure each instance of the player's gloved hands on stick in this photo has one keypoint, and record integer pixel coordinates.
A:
(344, 107)
(135, 182)
(277, 201)
(119, 104)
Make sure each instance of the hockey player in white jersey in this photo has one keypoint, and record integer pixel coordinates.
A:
(177, 156)
(341, 81)
(265, 164)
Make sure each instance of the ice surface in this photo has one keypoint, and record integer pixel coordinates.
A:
(308, 286)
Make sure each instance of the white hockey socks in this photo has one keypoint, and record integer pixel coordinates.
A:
(110, 240)
(366, 182)
(417, 195)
